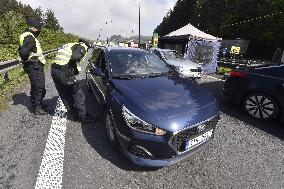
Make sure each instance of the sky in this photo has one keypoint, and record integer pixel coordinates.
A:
(87, 18)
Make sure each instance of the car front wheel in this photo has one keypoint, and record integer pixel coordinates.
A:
(260, 106)
(110, 130)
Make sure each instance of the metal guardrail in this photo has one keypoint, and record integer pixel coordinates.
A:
(9, 65)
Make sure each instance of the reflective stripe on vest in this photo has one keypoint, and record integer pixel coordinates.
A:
(64, 54)
(38, 54)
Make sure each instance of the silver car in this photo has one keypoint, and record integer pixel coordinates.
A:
(185, 67)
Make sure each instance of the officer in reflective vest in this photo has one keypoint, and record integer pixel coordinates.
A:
(33, 63)
(64, 69)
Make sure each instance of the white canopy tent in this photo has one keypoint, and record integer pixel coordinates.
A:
(196, 45)
(190, 30)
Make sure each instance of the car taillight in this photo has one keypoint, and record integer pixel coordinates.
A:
(237, 74)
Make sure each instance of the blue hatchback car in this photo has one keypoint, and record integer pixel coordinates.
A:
(154, 116)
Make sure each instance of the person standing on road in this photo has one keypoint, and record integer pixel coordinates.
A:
(64, 69)
(33, 60)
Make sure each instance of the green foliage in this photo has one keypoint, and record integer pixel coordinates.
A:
(51, 39)
(48, 18)
(223, 70)
(51, 21)
(11, 26)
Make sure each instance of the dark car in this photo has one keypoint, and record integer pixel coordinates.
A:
(154, 116)
(259, 90)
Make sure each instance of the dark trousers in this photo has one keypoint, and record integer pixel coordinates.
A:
(36, 75)
(71, 95)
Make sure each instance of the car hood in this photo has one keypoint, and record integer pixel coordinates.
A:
(183, 63)
(160, 99)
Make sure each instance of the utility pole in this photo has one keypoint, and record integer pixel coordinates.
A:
(139, 27)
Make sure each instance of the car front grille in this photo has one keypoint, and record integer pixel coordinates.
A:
(178, 140)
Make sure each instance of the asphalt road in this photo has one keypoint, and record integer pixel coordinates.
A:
(244, 154)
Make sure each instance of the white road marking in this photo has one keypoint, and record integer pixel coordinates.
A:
(213, 77)
(51, 168)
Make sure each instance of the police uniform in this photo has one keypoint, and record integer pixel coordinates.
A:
(33, 60)
(64, 69)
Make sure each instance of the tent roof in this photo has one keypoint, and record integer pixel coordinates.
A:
(190, 30)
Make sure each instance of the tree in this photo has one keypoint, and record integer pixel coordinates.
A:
(51, 21)
(12, 25)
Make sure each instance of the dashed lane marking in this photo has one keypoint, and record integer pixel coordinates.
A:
(51, 168)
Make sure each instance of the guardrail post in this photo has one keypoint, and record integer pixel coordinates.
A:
(6, 77)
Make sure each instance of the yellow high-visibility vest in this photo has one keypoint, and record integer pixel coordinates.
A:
(64, 54)
(38, 54)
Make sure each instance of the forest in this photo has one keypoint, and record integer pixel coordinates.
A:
(259, 21)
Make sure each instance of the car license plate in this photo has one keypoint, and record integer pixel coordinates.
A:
(198, 140)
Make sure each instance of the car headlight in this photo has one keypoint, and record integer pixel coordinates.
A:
(138, 124)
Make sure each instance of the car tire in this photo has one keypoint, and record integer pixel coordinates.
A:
(260, 106)
(110, 128)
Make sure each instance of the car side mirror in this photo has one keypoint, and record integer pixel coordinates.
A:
(97, 72)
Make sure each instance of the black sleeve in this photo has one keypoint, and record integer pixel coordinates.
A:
(78, 52)
(29, 46)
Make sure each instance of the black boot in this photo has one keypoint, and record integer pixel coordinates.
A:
(37, 110)
(44, 106)
(72, 115)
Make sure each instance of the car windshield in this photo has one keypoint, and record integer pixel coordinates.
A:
(136, 64)
(171, 55)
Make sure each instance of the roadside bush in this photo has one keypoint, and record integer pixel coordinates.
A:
(223, 70)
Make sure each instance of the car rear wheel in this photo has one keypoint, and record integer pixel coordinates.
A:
(110, 130)
(261, 106)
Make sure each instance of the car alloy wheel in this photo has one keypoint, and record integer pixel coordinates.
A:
(260, 106)
(110, 131)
